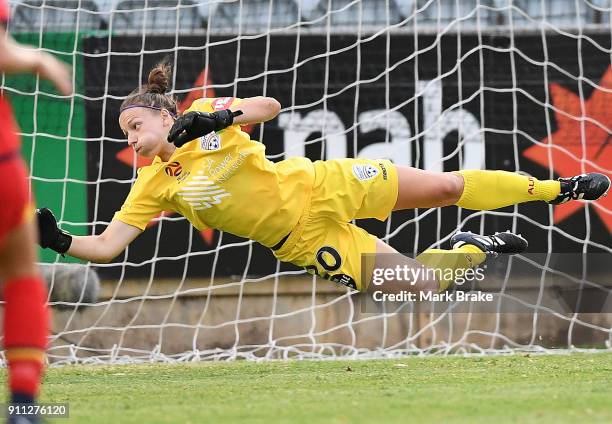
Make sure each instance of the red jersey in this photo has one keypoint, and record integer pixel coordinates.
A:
(14, 192)
(4, 11)
(8, 127)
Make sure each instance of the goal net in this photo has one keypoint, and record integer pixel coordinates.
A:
(440, 85)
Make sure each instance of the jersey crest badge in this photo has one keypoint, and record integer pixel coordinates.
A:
(365, 172)
(210, 141)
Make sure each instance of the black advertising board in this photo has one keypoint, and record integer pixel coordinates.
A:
(411, 99)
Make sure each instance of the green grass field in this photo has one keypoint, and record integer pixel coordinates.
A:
(518, 388)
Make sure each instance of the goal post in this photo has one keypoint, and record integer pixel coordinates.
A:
(440, 85)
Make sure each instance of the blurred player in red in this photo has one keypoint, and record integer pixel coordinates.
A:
(25, 312)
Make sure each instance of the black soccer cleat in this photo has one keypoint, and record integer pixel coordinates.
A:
(506, 242)
(23, 419)
(23, 406)
(590, 186)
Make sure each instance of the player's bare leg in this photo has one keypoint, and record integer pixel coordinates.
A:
(418, 188)
(18, 253)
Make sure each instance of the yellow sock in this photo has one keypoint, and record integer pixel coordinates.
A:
(449, 261)
(485, 190)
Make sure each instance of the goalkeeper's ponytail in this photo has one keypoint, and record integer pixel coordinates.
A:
(153, 93)
(159, 78)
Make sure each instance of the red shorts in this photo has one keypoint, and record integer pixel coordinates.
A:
(14, 194)
(15, 205)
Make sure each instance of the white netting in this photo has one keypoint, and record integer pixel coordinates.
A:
(442, 85)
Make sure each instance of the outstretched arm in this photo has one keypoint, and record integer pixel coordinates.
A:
(15, 58)
(105, 247)
(195, 124)
(256, 109)
(101, 248)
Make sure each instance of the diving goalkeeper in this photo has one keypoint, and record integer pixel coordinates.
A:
(208, 170)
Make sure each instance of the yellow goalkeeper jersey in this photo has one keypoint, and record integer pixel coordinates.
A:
(224, 181)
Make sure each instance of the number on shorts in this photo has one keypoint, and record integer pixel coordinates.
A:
(335, 255)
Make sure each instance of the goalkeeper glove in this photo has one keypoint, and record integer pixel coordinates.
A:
(50, 235)
(197, 124)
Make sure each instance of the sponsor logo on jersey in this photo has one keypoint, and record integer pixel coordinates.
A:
(174, 169)
(224, 170)
(365, 172)
(531, 185)
(384, 170)
(183, 177)
(210, 141)
(202, 193)
(345, 280)
(222, 103)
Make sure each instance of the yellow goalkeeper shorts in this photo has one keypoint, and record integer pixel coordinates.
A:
(324, 241)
